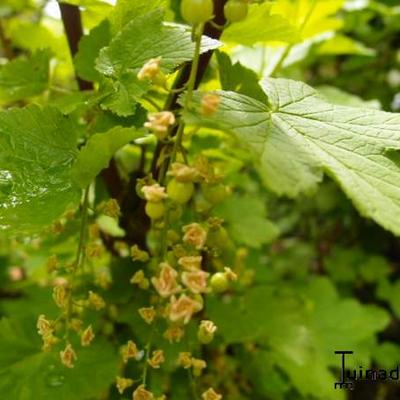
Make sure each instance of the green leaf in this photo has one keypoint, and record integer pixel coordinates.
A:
(261, 26)
(98, 151)
(89, 48)
(340, 44)
(246, 221)
(342, 98)
(27, 373)
(141, 39)
(24, 77)
(300, 135)
(238, 78)
(120, 96)
(126, 10)
(38, 146)
(147, 37)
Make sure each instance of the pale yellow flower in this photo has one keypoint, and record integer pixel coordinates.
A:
(183, 173)
(211, 394)
(174, 334)
(129, 351)
(198, 366)
(96, 301)
(44, 326)
(142, 394)
(185, 359)
(61, 296)
(87, 336)
(196, 281)
(154, 193)
(123, 383)
(68, 356)
(160, 122)
(156, 359)
(210, 103)
(195, 235)
(166, 283)
(183, 308)
(147, 313)
(150, 69)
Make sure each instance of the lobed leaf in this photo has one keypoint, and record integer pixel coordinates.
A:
(37, 149)
(24, 77)
(141, 39)
(299, 136)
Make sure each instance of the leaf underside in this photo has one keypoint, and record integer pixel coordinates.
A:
(299, 136)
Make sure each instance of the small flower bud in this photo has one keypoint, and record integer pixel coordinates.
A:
(147, 313)
(68, 356)
(123, 383)
(49, 341)
(44, 326)
(76, 324)
(87, 336)
(139, 255)
(156, 359)
(210, 394)
(139, 279)
(185, 359)
(94, 250)
(160, 122)
(96, 301)
(142, 394)
(110, 208)
(52, 263)
(230, 275)
(210, 103)
(198, 365)
(61, 296)
(206, 331)
(129, 351)
(174, 334)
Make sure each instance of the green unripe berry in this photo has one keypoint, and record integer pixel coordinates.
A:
(155, 210)
(206, 331)
(197, 11)
(180, 192)
(215, 193)
(235, 10)
(219, 282)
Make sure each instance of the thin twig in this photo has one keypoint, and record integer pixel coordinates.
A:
(5, 42)
(71, 18)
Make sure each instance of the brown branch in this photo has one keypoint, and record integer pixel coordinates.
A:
(172, 102)
(6, 43)
(71, 18)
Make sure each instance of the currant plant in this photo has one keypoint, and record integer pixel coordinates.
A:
(151, 156)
